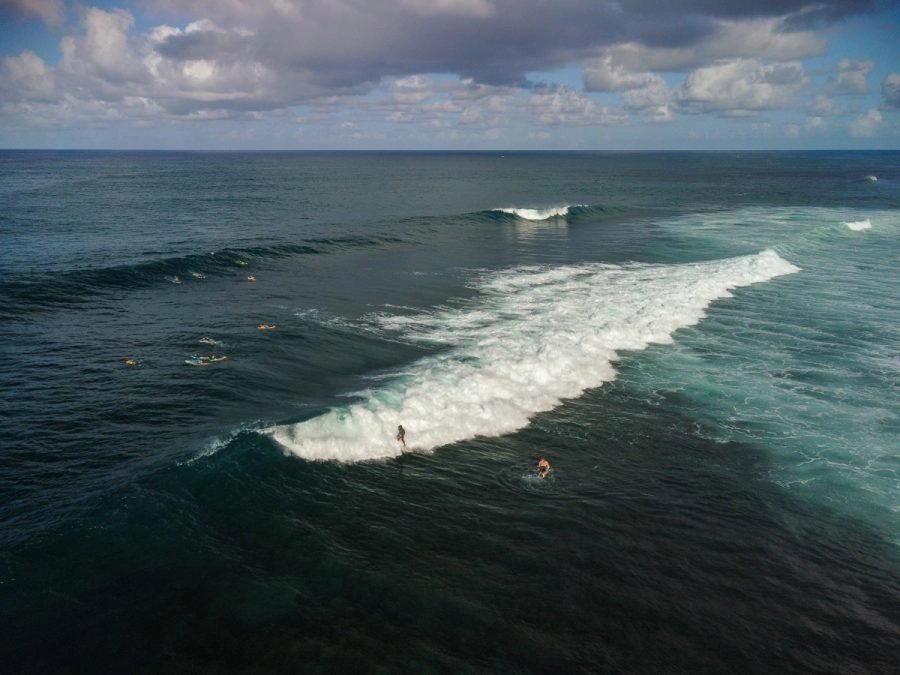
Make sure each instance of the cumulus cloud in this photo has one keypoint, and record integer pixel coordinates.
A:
(239, 59)
(51, 12)
(727, 40)
(411, 90)
(28, 78)
(890, 90)
(822, 106)
(500, 41)
(564, 106)
(866, 125)
(814, 123)
(741, 87)
(604, 75)
(102, 58)
(849, 77)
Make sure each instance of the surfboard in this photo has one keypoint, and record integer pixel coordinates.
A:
(204, 360)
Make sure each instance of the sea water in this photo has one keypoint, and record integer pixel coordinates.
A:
(704, 345)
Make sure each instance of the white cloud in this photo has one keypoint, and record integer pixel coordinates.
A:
(102, 59)
(658, 114)
(822, 106)
(603, 74)
(653, 94)
(890, 90)
(866, 125)
(741, 87)
(434, 63)
(849, 77)
(731, 40)
(567, 107)
(27, 77)
(411, 90)
(814, 123)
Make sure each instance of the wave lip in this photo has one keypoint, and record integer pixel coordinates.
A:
(859, 225)
(537, 214)
(534, 337)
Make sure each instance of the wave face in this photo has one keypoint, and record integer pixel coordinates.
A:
(69, 289)
(533, 337)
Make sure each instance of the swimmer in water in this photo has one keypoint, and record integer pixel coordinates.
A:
(543, 468)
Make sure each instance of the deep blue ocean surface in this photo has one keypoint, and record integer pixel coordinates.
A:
(706, 347)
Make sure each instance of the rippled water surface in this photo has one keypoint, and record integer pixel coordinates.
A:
(704, 346)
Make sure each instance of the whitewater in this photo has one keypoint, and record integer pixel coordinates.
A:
(533, 338)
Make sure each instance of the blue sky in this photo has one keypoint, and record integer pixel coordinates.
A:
(450, 74)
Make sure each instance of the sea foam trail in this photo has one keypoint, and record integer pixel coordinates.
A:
(534, 337)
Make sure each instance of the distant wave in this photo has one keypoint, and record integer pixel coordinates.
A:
(539, 214)
(533, 337)
(871, 178)
(859, 225)
(76, 287)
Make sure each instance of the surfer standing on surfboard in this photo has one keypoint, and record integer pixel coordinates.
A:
(401, 435)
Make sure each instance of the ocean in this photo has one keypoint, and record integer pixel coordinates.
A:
(704, 346)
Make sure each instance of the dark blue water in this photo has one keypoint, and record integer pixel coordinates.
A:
(705, 347)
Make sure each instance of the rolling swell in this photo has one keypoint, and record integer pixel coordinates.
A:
(75, 288)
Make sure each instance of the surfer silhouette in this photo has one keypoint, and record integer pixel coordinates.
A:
(401, 435)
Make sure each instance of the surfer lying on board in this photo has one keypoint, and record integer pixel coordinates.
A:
(401, 435)
(543, 468)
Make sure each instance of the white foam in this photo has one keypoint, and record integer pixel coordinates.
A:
(859, 225)
(533, 337)
(537, 214)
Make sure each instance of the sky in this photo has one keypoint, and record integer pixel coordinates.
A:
(450, 74)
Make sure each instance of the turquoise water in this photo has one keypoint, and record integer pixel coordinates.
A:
(703, 345)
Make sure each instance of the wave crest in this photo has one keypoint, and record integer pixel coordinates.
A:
(859, 225)
(537, 214)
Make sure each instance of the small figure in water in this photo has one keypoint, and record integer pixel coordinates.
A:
(543, 468)
(401, 435)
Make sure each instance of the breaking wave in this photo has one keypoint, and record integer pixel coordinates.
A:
(532, 338)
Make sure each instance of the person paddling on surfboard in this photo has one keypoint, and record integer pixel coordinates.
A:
(401, 435)
(543, 468)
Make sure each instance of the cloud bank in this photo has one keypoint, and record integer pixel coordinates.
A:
(475, 62)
